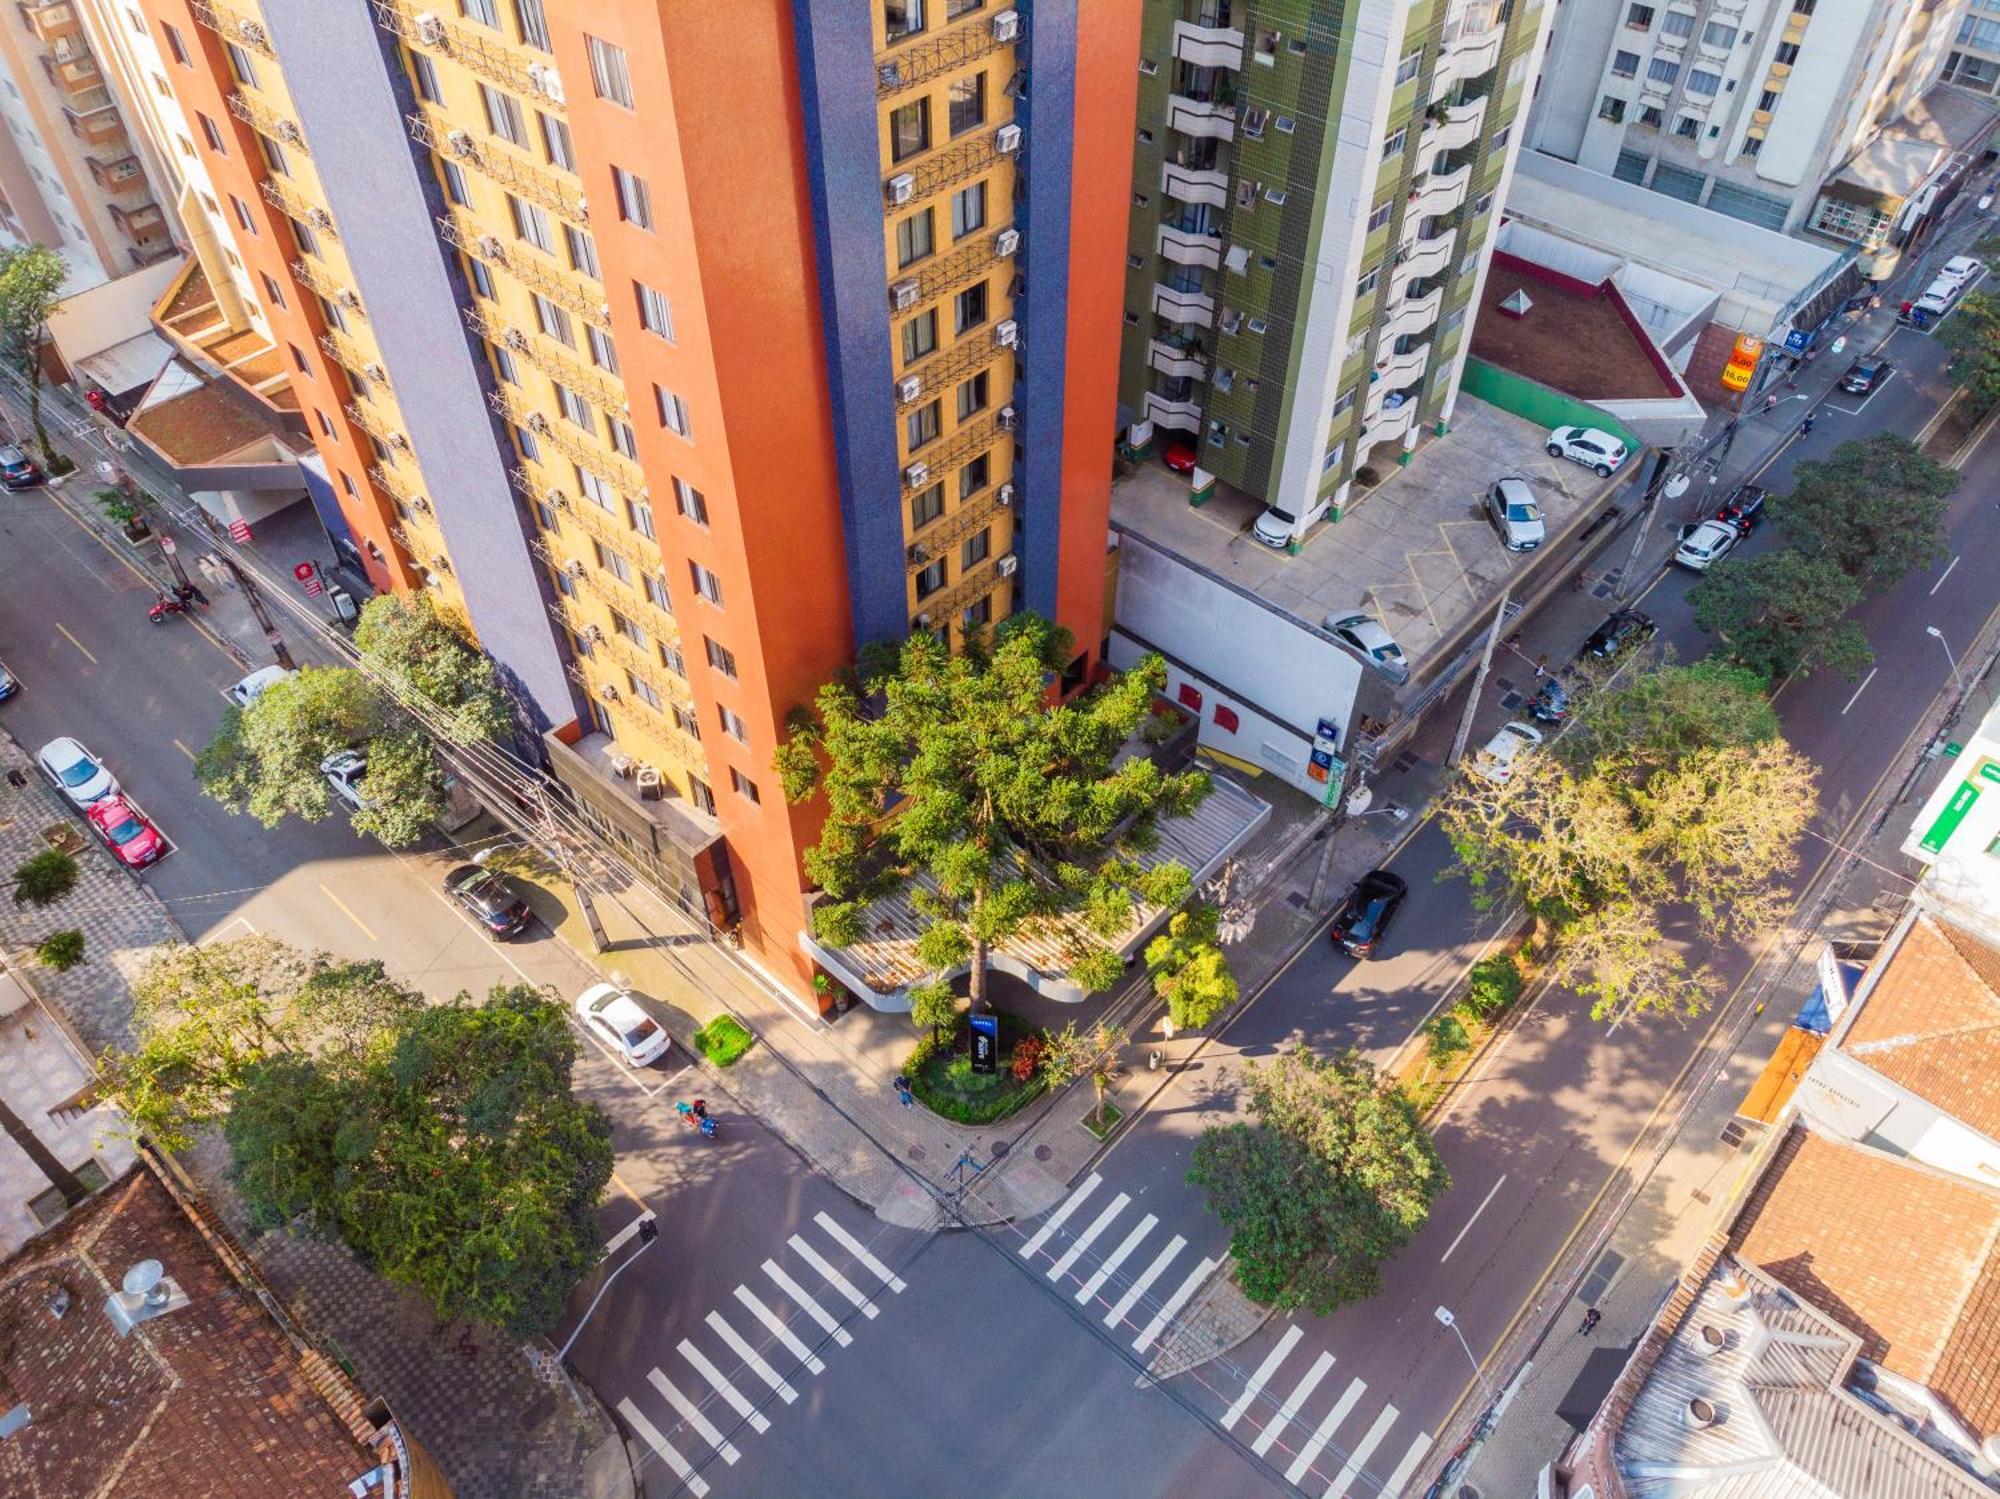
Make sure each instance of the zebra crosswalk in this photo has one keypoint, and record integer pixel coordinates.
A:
(1297, 1410)
(716, 1396)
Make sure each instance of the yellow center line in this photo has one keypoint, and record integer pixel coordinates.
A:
(183, 749)
(341, 906)
(79, 645)
(619, 1182)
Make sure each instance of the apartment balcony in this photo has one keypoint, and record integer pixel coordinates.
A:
(266, 121)
(1440, 193)
(232, 26)
(75, 75)
(1399, 424)
(1205, 119)
(502, 165)
(1425, 259)
(1391, 378)
(140, 222)
(97, 124)
(602, 389)
(1193, 307)
(905, 65)
(1413, 315)
(293, 204)
(1208, 46)
(1171, 357)
(1187, 185)
(1451, 128)
(485, 52)
(118, 174)
(392, 482)
(943, 608)
(941, 370)
(1470, 55)
(372, 422)
(51, 23)
(1187, 247)
(642, 661)
(571, 290)
(1185, 415)
(351, 357)
(938, 537)
(940, 171)
(582, 448)
(320, 284)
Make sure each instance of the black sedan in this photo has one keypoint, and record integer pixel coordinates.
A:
(1622, 628)
(1864, 375)
(491, 899)
(1363, 918)
(1745, 509)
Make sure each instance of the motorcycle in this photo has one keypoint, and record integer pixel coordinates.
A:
(165, 605)
(1551, 704)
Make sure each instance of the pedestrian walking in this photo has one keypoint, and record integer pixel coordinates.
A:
(1591, 1318)
(903, 1091)
(1771, 402)
(1806, 426)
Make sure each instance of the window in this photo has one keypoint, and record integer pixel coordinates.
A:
(635, 199)
(910, 129)
(700, 795)
(176, 46)
(603, 353)
(979, 615)
(623, 438)
(953, 9)
(1498, 140)
(673, 413)
(920, 335)
(1624, 65)
(534, 25)
(594, 488)
(966, 100)
(1718, 34)
(331, 311)
(926, 506)
(1752, 144)
(503, 115)
(454, 184)
(325, 424)
(423, 73)
(720, 657)
(1687, 127)
(922, 425)
(913, 238)
(745, 787)
(1410, 66)
(689, 502)
(1663, 71)
(617, 566)
(930, 580)
(656, 593)
(1370, 279)
(972, 396)
(244, 219)
(554, 321)
(1611, 108)
(299, 360)
(582, 250)
(969, 308)
(732, 723)
(1650, 116)
(655, 315)
(645, 692)
(211, 134)
(556, 142)
(1344, 402)
(1768, 100)
(1393, 146)
(503, 363)
(1701, 81)
(1640, 18)
(483, 11)
(706, 583)
(976, 550)
(274, 156)
(272, 291)
(530, 223)
(609, 77)
(1676, 23)
(968, 210)
(575, 409)
(526, 442)
(973, 477)
(240, 65)
(1379, 215)
(1787, 53)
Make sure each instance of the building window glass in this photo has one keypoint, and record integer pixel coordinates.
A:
(913, 238)
(655, 314)
(978, 616)
(976, 550)
(732, 723)
(618, 567)
(1379, 215)
(706, 583)
(720, 657)
(1624, 65)
(1663, 71)
(623, 438)
(656, 594)
(594, 488)
(902, 18)
(554, 321)
(603, 353)
(673, 413)
(930, 580)
(534, 25)
(210, 134)
(910, 129)
(485, 12)
(1718, 34)
(423, 73)
(1410, 66)
(274, 292)
(530, 224)
(1611, 108)
(745, 787)
(1788, 53)
(575, 409)
(966, 98)
(969, 308)
(582, 250)
(922, 425)
(974, 477)
(1676, 23)
(503, 115)
(689, 502)
(926, 506)
(609, 77)
(645, 692)
(241, 67)
(968, 210)
(1393, 146)
(175, 45)
(635, 199)
(972, 396)
(919, 335)
(1701, 81)
(556, 143)
(455, 186)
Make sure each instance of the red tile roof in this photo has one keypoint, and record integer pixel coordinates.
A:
(1932, 1022)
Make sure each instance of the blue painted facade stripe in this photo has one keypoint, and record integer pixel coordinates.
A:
(1047, 117)
(836, 48)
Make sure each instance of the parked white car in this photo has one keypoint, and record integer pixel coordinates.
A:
(75, 772)
(1505, 750)
(1516, 514)
(344, 770)
(1595, 450)
(1961, 270)
(1363, 633)
(254, 686)
(1705, 545)
(614, 1017)
(1274, 527)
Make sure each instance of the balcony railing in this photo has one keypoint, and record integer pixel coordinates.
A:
(231, 26)
(137, 221)
(350, 356)
(1172, 359)
(939, 372)
(391, 482)
(97, 125)
(50, 22)
(641, 661)
(266, 121)
(603, 389)
(945, 607)
(944, 533)
(563, 290)
(580, 447)
(1204, 119)
(318, 282)
(375, 427)
(1184, 306)
(1413, 315)
(942, 170)
(1182, 414)
(946, 274)
(1208, 46)
(293, 204)
(517, 176)
(121, 175)
(599, 524)
(945, 456)
(1189, 185)
(1184, 247)
(918, 62)
(74, 75)
(423, 28)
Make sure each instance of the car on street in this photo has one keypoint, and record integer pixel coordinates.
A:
(254, 686)
(1597, 451)
(1364, 634)
(17, 469)
(1864, 375)
(1499, 756)
(1364, 916)
(1180, 457)
(1704, 545)
(132, 839)
(614, 1017)
(9, 683)
(344, 770)
(1745, 509)
(1274, 528)
(1962, 270)
(1621, 629)
(1516, 514)
(491, 898)
(75, 772)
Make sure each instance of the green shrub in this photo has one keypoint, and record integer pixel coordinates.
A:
(942, 1078)
(1493, 985)
(1445, 1038)
(45, 878)
(723, 1040)
(61, 950)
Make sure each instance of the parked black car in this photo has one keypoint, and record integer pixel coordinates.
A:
(1621, 629)
(1364, 916)
(491, 899)
(1864, 375)
(1745, 509)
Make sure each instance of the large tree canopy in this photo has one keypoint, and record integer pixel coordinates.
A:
(1781, 612)
(1874, 508)
(405, 640)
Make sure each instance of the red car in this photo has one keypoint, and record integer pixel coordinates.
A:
(126, 832)
(1180, 457)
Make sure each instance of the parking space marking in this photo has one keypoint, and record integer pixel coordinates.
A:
(78, 644)
(183, 749)
(341, 906)
(1942, 576)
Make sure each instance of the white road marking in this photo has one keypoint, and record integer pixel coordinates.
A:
(1407, 1466)
(617, 1241)
(1085, 1239)
(834, 1278)
(810, 1307)
(1861, 689)
(752, 1359)
(1289, 1411)
(782, 1333)
(1172, 1305)
(696, 1485)
(1055, 1219)
(759, 1423)
(1474, 1218)
(859, 1250)
(1146, 1277)
(691, 1413)
(1322, 1433)
(1942, 576)
(1264, 1371)
(1363, 1450)
(1096, 1282)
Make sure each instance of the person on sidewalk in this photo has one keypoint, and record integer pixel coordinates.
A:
(1806, 426)
(903, 1093)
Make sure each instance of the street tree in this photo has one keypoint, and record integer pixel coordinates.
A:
(31, 281)
(1617, 958)
(1092, 1052)
(1008, 813)
(1188, 967)
(425, 656)
(1874, 507)
(403, 793)
(1972, 333)
(1783, 612)
(934, 1007)
(1657, 716)
(451, 1156)
(44, 878)
(1335, 1176)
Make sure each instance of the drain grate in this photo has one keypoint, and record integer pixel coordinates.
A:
(1734, 1133)
(1512, 701)
(1296, 899)
(1043, 1152)
(1408, 760)
(1601, 1275)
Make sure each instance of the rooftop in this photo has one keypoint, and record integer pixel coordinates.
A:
(1902, 157)
(191, 420)
(1931, 1023)
(209, 1387)
(192, 317)
(1579, 338)
(1415, 552)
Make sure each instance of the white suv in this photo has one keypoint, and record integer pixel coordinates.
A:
(1705, 545)
(1595, 450)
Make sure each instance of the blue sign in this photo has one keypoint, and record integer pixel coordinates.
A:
(985, 1043)
(1797, 340)
(1328, 729)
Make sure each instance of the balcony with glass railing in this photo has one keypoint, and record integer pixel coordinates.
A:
(1217, 45)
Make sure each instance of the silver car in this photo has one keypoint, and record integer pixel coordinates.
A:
(1363, 633)
(1516, 514)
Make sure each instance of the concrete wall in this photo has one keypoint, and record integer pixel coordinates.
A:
(1844, 1098)
(1538, 403)
(1278, 675)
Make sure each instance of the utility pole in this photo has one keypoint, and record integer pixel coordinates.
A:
(1478, 682)
(558, 841)
(256, 603)
(1673, 488)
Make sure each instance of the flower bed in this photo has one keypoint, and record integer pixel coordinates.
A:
(941, 1076)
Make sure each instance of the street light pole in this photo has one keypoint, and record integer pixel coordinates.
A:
(1443, 1314)
(1938, 635)
(648, 1229)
